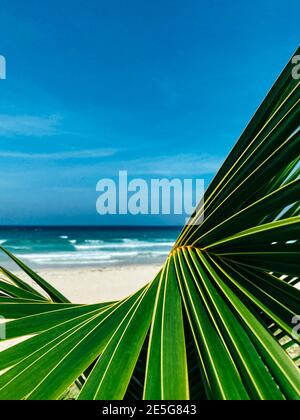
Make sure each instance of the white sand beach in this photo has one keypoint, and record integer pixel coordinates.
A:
(93, 285)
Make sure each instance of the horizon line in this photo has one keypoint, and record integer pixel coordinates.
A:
(91, 226)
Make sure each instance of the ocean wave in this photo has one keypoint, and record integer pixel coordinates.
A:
(128, 244)
(91, 257)
(87, 247)
(64, 256)
(65, 263)
(41, 247)
(19, 247)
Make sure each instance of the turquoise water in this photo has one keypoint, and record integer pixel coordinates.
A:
(49, 247)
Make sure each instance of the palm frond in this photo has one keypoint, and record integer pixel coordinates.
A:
(217, 321)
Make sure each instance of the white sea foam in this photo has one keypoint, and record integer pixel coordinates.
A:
(65, 256)
(73, 249)
(64, 263)
(126, 244)
(19, 247)
(90, 257)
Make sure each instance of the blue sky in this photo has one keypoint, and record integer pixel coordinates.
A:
(157, 88)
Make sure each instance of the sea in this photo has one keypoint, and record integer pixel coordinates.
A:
(96, 246)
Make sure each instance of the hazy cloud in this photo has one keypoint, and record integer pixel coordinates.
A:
(72, 154)
(180, 164)
(28, 125)
(158, 166)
